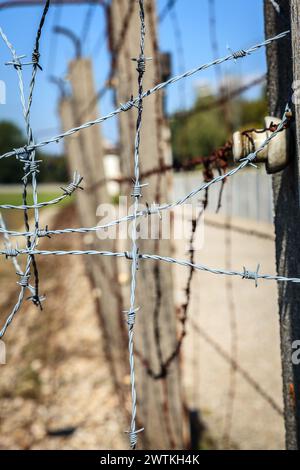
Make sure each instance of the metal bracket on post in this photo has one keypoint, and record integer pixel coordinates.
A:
(276, 155)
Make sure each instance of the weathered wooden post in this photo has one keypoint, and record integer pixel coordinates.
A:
(85, 153)
(160, 409)
(284, 75)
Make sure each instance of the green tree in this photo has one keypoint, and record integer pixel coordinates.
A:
(204, 128)
(10, 137)
(52, 168)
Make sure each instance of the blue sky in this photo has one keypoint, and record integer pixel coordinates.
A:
(239, 24)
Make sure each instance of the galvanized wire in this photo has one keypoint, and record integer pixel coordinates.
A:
(26, 155)
(8, 246)
(276, 6)
(29, 163)
(136, 194)
(67, 192)
(155, 209)
(244, 274)
(133, 102)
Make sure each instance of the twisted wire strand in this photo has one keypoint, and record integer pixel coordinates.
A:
(244, 162)
(276, 6)
(68, 191)
(149, 92)
(134, 256)
(136, 194)
(31, 243)
(7, 243)
(18, 67)
(157, 209)
(15, 309)
(8, 246)
(15, 252)
(244, 274)
(31, 163)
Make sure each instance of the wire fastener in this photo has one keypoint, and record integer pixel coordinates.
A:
(133, 437)
(75, 184)
(252, 275)
(137, 189)
(24, 279)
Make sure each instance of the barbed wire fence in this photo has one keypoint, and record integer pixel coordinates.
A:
(26, 156)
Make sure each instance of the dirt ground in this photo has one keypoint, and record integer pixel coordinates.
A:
(56, 391)
(230, 319)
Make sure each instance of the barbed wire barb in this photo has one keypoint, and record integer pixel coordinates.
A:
(149, 92)
(27, 156)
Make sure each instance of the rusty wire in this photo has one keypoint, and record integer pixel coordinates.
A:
(218, 160)
(164, 365)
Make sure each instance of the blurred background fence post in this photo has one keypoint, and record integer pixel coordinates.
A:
(283, 74)
(86, 154)
(161, 407)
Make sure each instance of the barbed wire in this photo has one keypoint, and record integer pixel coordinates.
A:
(156, 209)
(26, 155)
(67, 192)
(134, 101)
(134, 255)
(276, 6)
(9, 247)
(244, 274)
(30, 162)
(164, 365)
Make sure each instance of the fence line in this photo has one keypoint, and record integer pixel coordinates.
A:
(134, 101)
(157, 209)
(27, 155)
(134, 255)
(245, 274)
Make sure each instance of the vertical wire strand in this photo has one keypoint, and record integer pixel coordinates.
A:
(32, 157)
(141, 60)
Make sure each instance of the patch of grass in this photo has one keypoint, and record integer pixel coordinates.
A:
(16, 198)
(14, 218)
